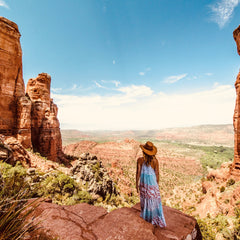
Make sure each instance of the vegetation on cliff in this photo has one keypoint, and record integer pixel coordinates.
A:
(182, 165)
(14, 208)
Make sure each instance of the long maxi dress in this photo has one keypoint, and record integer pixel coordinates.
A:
(151, 204)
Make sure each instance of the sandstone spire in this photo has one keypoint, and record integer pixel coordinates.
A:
(31, 118)
(46, 135)
(236, 116)
(15, 108)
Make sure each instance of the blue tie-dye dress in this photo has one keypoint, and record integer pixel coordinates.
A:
(151, 205)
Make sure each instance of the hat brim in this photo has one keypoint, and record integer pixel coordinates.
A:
(148, 152)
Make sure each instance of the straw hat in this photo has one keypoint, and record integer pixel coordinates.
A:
(149, 148)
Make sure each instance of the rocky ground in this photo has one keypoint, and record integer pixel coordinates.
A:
(109, 168)
(84, 222)
(188, 181)
(120, 158)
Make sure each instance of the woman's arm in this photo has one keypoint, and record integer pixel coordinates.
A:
(156, 169)
(138, 172)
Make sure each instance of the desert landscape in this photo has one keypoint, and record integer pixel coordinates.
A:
(71, 184)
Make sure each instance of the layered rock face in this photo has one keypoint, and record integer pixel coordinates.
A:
(15, 107)
(46, 135)
(31, 118)
(236, 116)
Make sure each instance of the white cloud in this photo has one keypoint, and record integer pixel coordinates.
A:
(3, 4)
(136, 107)
(146, 70)
(115, 82)
(99, 85)
(74, 87)
(173, 79)
(114, 61)
(208, 74)
(222, 11)
(56, 90)
(135, 91)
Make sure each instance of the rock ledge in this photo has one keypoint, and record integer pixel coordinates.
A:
(87, 222)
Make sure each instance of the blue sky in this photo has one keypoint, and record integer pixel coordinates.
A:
(132, 64)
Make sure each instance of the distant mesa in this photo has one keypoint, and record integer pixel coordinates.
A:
(31, 116)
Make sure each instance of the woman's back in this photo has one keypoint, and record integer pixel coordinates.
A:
(153, 164)
(148, 173)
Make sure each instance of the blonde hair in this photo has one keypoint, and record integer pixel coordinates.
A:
(147, 158)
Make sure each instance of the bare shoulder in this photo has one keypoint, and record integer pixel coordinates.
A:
(140, 160)
(155, 161)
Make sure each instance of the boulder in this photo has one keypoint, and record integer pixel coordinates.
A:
(83, 221)
(88, 169)
(15, 152)
(206, 185)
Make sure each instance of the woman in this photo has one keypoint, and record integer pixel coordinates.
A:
(147, 171)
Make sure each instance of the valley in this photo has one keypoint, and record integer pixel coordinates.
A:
(186, 156)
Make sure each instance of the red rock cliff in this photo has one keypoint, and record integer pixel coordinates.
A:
(31, 118)
(15, 107)
(46, 136)
(236, 116)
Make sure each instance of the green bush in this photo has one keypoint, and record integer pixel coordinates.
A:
(222, 189)
(206, 230)
(236, 231)
(14, 179)
(230, 182)
(13, 215)
(62, 189)
(14, 209)
(211, 226)
(96, 167)
(57, 183)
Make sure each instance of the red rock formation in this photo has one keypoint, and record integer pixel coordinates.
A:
(46, 135)
(11, 151)
(31, 118)
(13, 103)
(236, 116)
(83, 221)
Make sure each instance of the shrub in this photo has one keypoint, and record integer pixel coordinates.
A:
(84, 196)
(14, 179)
(57, 182)
(230, 182)
(14, 209)
(13, 215)
(62, 189)
(211, 226)
(222, 189)
(96, 167)
(226, 201)
(206, 230)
